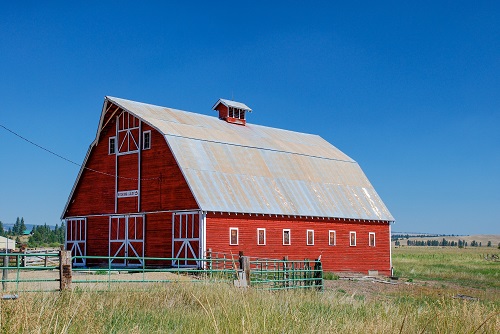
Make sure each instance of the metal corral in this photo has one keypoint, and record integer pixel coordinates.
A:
(257, 169)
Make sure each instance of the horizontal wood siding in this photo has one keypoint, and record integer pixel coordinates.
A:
(95, 193)
(97, 239)
(339, 258)
(163, 186)
(158, 237)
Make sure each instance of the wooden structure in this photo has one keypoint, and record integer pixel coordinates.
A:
(160, 182)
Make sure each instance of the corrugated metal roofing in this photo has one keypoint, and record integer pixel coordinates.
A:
(257, 169)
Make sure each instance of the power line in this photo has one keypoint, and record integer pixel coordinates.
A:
(71, 161)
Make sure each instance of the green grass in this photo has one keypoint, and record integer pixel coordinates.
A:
(464, 267)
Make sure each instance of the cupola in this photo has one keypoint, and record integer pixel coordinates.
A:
(232, 111)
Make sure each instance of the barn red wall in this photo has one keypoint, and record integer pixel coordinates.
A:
(95, 192)
(97, 238)
(163, 186)
(158, 236)
(342, 257)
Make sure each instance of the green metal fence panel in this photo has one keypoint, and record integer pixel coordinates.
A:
(271, 274)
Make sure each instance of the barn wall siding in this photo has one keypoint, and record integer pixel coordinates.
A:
(158, 241)
(97, 238)
(342, 257)
(163, 186)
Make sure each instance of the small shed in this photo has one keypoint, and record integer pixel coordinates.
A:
(6, 243)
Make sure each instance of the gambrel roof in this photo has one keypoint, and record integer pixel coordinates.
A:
(260, 170)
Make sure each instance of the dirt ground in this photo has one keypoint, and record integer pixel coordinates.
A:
(380, 288)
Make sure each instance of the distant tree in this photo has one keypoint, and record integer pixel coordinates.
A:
(22, 226)
(499, 245)
(2, 231)
(15, 228)
(466, 244)
(488, 245)
(480, 244)
(9, 232)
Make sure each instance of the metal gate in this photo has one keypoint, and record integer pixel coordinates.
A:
(76, 232)
(186, 246)
(126, 239)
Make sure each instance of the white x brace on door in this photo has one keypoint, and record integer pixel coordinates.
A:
(126, 239)
(76, 232)
(186, 246)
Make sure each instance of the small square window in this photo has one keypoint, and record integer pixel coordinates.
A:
(146, 140)
(332, 238)
(286, 237)
(352, 238)
(372, 239)
(233, 236)
(310, 237)
(112, 145)
(261, 236)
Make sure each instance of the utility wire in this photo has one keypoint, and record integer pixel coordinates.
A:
(71, 161)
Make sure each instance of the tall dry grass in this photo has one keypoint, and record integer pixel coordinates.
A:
(219, 308)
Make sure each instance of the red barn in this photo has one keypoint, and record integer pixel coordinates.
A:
(161, 182)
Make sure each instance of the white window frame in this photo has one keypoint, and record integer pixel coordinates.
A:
(112, 139)
(258, 240)
(289, 237)
(351, 233)
(334, 238)
(307, 237)
(369, 239)
(231, 229)
(144, 134)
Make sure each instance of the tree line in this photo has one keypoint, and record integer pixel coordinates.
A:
(40, 235)
(460, 243)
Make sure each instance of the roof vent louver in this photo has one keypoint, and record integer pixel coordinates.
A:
(232, 111)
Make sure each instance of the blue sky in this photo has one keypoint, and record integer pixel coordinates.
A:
(410, 91)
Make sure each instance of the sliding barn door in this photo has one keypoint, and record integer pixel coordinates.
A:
(76, 233)
(186, 244)
(126, 240)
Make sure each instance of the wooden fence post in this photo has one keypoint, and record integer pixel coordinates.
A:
(65, 270)
(243, 272)
(318, 273)
(246, 269)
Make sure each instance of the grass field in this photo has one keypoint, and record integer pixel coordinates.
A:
(461, 266)
(426, 306)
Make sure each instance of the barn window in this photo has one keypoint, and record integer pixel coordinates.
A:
(352, 238)
(146, 140)
(112, 145)
(310, 237)
(372, 239)
(128, 133)
(261, 236)
(286, 237)
(233, 236)
(332, 238)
